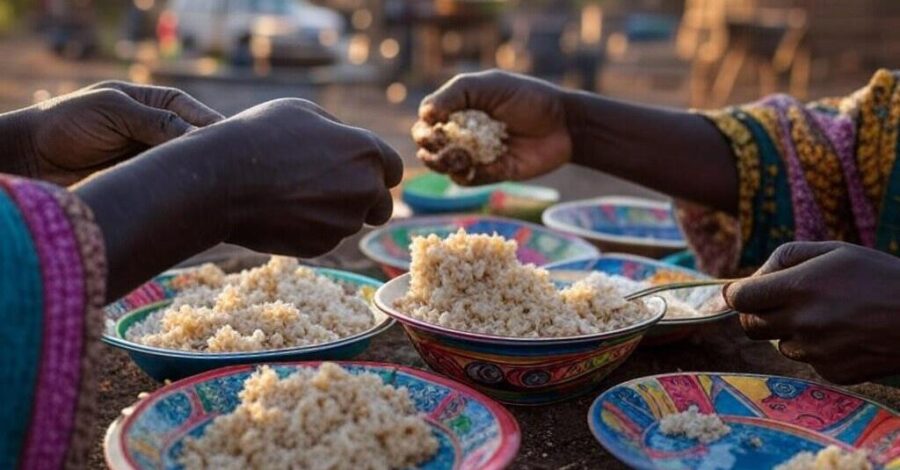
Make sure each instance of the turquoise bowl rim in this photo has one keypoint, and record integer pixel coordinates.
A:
(592, 410)
(548, 219)
(643, 259)
(379, 328)
(404, 266)
(510, 432)
(384, 304)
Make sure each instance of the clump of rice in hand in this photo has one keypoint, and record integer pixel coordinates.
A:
(278, 305)
(468, 139)
(829, 458)
(323, 418)
(475, 283)
(692, 424)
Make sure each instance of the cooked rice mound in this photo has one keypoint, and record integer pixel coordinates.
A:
(278, 305)
(829, 458)
(468, 138)
(692, 424)
(475, 283)
(675, 307)
(323, 418)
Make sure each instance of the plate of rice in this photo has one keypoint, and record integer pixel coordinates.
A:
(345, 415)
(687, 309)
(193, 320)
(743, 421)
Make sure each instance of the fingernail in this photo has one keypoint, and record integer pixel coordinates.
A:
(725, 294)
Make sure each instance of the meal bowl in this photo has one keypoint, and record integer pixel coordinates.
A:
(433, 193)
(389, 245)
(771, 419)
(618, 223)
(473, 431)
(639, 268)
(162, 364)
(520, 371)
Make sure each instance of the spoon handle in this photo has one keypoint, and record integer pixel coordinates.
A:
(676, 285)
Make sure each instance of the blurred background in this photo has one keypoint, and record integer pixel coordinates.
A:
(371, 61)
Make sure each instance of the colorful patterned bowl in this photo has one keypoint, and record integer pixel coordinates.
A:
(639, 268)
(771, 418)
(521, 371)
(618, 223)
(389, 245)
(433, 193)
(162, 364)
(474, 432)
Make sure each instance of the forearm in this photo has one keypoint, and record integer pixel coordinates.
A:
(16, 147)
(153, 214)
(674, 152)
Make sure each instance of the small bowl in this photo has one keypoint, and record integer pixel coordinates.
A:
(771, 418)
(434, 193)
(163, 364)
(639, 268)
(520, 371)
(389, 245)
(617, 223)
(474, 432)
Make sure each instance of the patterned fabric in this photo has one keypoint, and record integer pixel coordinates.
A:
(819, 171)
(65, 280)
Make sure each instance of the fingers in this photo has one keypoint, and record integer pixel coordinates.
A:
(391, 163)
(792, 254)
(759, 293)
(771, 325)
(382, 210)
(184, 105)
(151, 126)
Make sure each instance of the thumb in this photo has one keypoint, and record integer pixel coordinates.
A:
(151, 126)
(794, 253)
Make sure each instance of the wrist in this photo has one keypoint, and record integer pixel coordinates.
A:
(18, 154)
(577, 123)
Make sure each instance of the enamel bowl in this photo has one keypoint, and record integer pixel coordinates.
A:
(639, 268)
(389, 245)
(617, 223)
(473, 431)
(163, 364)
(521, 371)
(771, 419)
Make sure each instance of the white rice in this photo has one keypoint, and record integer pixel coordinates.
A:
(675, 306)
(475, 283)
(277, 305)
(829, 458)
(692, 424)
(314, 419)
(468, 138)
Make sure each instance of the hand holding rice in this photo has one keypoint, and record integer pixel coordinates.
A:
(469, 138)
(475, 283)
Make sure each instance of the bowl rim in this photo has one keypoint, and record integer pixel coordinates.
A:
(404, 319)
(394, 263)
(375, 330)
(548, 219)
(654, 262)
(592, 410)
(510, 432)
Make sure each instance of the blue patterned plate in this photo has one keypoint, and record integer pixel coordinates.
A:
(162, 364)
(639, 268)
(771, 419)
(389, 245)
(474, 432)
(618, 220)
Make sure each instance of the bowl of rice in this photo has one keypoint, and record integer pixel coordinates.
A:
(619, 223)
(475, 313)
(687, 309)
(190, 321)
(389, 245)
(311, 415)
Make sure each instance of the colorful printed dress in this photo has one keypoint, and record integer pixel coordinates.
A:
(52, 286)
(807, 172)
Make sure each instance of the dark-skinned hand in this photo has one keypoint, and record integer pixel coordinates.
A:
(533, 111)
(830, 304)
(67, 138)
(283, 177)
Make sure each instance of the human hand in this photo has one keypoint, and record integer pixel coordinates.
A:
(66, 138)
(283, 177)
(831, 304)
(533, 111)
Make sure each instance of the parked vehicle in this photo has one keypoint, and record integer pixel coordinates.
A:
(282, 31)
